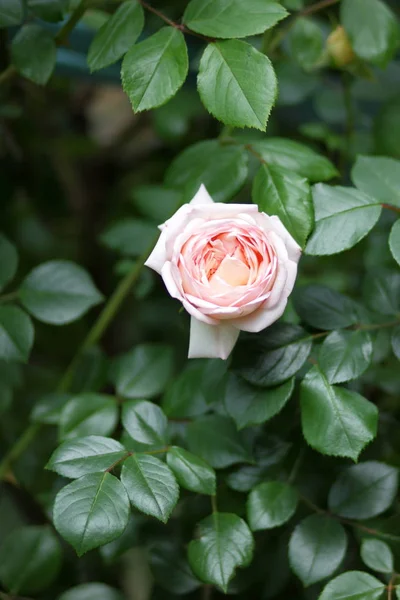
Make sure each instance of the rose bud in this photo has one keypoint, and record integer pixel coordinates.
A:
(339, 47)
(231, 266)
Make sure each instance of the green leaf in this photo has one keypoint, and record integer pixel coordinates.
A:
(377, 555)
(295, 157)
(335, 420)
(33, 53)
(382, 291)
(185, 396)
(394, 241)
(145, 422)
(372, 28)
(8, 261)
(11, 12)
(171, 569)
(324, 308)
(306, 41)
(88, 414)
(316, 549)
(191, 472)
(130, 237)
(224, 542)
(154, 70)
(85, 455)
(91, 591)
(353, 585)
(363, 491)
(144, 371)
(280, 192)
(272, 357)
(156, 202)
(345, 355)
(151, 486)
(216, 440)
(222, 169)
(250, 405)
(226, 90)
(379, 177)
(30, 559)
(48, 408)
(91, 511)
(395, 340)
(232, 19)
(270, 505)
(49, 10)
(58, 292)
(343, 217)
(16, 334)
(116, 36)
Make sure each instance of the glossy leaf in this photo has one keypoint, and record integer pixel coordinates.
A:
(364, 490)
(335, 421)
(295, 157)
(144, 371)
(89, 591)
(345, 355)
(394, 241)
(191, 472)
(88, 414)
(116, 36)
(151, 486)
(216, 440)
(145, 422)
(353, 585)
(273, 356)
(16, 334)
(33, 53)
(379, 177)
(91, 511)
(58, 292)
(250, 405)
(8, 261)
(324, 308)
(372, 28)
(226, 90)
(11, 12)
(30, 559)
(270, 505)
(316, 549)
(280, 192)
(231, 19)
(154, 70)
(84, 455)
(224, 542)
(382, 291)
(222, 169)
(377, 555)
(343, 216)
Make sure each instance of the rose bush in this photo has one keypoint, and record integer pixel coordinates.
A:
(231, 266)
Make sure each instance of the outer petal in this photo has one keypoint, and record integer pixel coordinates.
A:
(211, 341)
(275, 224)
(158, 256)
(261, 318)
(202, 196)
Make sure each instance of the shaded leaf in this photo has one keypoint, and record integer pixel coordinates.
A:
(324, 308)
(88, 414)
(345, 355)
(191, 472)
(270, 505)
(16, 334)
(8, 261)
(11, 12)
(394, 241)
(377, 555)
(145, 422)
(33, 53)
(353, 585)
(378, 177)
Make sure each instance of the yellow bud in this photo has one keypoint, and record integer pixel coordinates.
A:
(339, 47)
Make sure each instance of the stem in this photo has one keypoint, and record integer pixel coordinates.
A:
(7, 74)
(104, 320)
(214, 504)
(317, 7)
(171, 23)
(8, 297)
(390, 207)
(348, 103)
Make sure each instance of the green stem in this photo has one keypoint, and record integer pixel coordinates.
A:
(214, 504)
(105, 318)
(317, 7)
(7, 74)
(8, 297)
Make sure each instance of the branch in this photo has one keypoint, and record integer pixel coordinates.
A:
(171, 23)
(317, 7)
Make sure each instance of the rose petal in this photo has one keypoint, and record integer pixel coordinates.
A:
(158, 257)
(261, 318)
(275, 224)
(201, 196)
(207, 341)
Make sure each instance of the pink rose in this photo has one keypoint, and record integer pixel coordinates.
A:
(231, 266)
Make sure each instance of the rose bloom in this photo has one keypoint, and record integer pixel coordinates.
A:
(231, 266)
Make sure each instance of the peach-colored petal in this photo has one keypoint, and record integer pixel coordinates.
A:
(260, 318)
(207, 341)
(275, 224)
